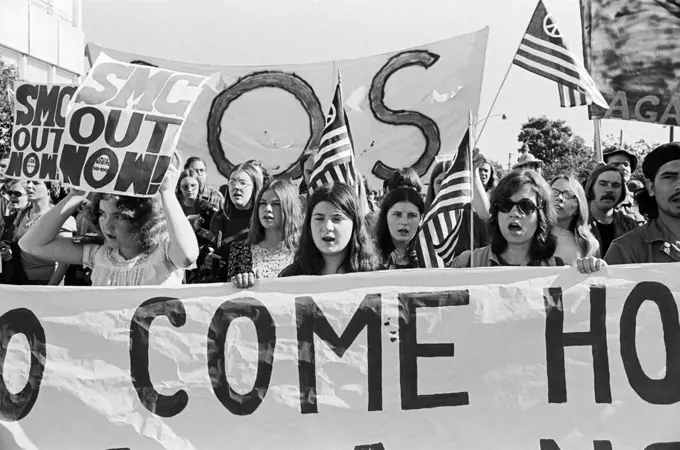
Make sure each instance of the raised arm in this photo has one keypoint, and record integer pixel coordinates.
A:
(183, 247)
(42, 239)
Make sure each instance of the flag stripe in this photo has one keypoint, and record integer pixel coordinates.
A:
(547, 72)
(547, 60)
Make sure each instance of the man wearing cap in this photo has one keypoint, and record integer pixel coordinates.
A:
(605, 190)
(659, 239)
(626, 161)
(527, 161)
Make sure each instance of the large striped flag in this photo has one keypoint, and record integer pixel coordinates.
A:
(439, 232)
(570, 98)
(335, 161)
(543, 52)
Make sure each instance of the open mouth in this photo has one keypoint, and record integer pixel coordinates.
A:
(515, 227)
(403, 231)
(328, 239)
(110, 236)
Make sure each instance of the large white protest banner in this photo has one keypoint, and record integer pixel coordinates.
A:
(404, 108)
(37, 130)
(520, 358)
(123, 127)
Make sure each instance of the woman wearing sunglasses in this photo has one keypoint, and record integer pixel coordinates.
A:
(521, 224)
(574, 238)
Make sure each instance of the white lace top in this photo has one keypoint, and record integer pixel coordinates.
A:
(109, 268)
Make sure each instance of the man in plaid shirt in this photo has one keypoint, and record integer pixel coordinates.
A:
(209, 194)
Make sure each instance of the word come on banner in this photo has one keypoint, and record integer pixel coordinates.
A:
(473, 358)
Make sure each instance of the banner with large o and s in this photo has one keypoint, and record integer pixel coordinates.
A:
(520, 358)
(404, 108)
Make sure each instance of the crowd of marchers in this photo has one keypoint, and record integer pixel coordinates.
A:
(257, 226)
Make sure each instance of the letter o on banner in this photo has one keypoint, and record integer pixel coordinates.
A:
(14, 407)
(241, 404)
(289, 82)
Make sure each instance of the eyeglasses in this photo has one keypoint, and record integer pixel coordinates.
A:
(567, 195)
(524, 206)
(239, 184)
(16, 193)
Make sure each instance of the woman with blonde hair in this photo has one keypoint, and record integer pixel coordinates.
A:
(574, 238)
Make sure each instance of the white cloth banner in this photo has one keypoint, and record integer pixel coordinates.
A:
(519, 358)
(404, 108)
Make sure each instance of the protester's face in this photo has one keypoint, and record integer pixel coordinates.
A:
(240, 189)
(621, 162)
(199, 167)
(438, 182)
(4, 162)
(115, 227)
(189, 187)
(607, 190)
(666, 189)
(269, 210)
(518, 225)
(17, 195)
(566, 202)
(308, 169)
(485, 173)
(331, 229)
(36, 190)
(402, 220)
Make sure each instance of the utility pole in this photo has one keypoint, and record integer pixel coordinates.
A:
(671, 133)
(621, 138)
(509, 161)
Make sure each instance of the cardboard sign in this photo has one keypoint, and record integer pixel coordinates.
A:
(38, 130)
(123, 127)
(519, 358)
(404, 108)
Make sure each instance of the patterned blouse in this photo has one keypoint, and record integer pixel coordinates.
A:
(245, 258)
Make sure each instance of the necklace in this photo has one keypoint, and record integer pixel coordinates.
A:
(30, 222)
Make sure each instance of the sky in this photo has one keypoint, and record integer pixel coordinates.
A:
(261, 32)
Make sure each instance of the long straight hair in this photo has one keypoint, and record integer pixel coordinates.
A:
(291, 211)
(361, 255)
(579, 222)
(383, 238)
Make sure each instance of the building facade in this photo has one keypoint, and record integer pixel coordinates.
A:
(44, 39)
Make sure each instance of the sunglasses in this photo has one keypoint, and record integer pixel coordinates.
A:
(15, 193)
(567, 195)
(524, 206)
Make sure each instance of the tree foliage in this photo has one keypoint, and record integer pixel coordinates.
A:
(8, 75)
(554, 143)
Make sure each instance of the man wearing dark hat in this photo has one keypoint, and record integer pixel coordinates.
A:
(659, 239)
(605, 190)
(626, 161)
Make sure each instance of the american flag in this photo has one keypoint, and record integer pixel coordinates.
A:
(570, 98)
(334, 161)
(439, 232)
(543, 52)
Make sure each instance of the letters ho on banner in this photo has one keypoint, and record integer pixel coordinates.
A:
(123, 126)
(38, 130)
(520, 358)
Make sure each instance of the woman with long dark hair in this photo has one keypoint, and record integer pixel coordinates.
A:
(334, 236)
(401, 214)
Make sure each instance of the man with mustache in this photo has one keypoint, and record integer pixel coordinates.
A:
(659, 239)
(626, 161)
(605, 190)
